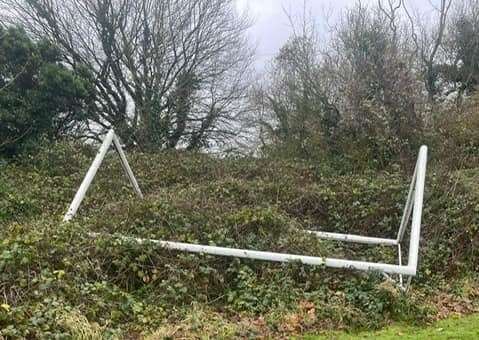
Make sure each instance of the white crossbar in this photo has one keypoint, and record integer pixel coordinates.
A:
(353, 238)
(269, 256)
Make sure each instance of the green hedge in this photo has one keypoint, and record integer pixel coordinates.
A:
(50, 270)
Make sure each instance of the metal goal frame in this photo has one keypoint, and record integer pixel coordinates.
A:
(413, 207)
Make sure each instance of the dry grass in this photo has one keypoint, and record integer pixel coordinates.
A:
(80, 328)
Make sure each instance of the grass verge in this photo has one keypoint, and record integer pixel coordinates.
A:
(452, 328)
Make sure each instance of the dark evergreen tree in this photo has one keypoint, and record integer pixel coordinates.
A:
(39, 96)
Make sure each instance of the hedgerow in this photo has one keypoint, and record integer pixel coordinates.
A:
(56, 281)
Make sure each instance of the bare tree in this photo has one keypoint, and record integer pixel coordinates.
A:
(428, 41)
(461, 45)
(168, 73)
(375, 75)
(294, 107)
(360, 87)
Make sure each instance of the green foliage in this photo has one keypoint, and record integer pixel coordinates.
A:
(39, 96)
(456, 136)
(57, 281)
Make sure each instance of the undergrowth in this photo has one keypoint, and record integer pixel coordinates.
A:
(56, 281)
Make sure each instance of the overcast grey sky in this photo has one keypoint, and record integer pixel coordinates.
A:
(271, 27)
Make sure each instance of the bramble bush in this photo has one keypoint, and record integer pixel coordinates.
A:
(57, 281)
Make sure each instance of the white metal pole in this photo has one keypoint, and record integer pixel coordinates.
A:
(353, 238)
(408, 207)
(417, 212)
(270, 256)
(400, 263)
(89, 176)
(126, 166)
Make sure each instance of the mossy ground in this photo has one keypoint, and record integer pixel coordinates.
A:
(57, 282)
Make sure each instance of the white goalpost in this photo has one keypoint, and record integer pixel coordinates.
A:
(107, 141)
(413, 208)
